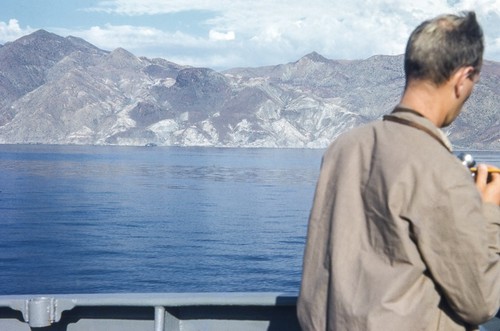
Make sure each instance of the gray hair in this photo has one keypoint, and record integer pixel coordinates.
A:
(440, 46)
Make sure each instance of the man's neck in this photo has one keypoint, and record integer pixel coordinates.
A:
(426, 99)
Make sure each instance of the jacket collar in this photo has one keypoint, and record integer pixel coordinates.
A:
(415, 117)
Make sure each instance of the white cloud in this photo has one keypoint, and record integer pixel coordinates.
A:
(135, 37)
(221, 36)
(290, 29)
(262, 32)
(154, 7)
(174, 46)
(12, 30)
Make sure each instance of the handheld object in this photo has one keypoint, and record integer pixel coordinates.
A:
(491, 170)
(469, 162)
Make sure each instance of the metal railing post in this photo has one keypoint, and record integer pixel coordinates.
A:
(159, 318)
(40, 312)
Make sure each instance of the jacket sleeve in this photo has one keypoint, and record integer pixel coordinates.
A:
(312, 305)
(458, 237)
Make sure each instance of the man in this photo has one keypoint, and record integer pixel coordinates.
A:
(400, 237)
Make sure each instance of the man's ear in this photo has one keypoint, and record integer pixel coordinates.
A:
(460, 77)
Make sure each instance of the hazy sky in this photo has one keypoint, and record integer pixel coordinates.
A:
(223, 34)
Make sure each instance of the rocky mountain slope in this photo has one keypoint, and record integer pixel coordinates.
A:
(56, 90)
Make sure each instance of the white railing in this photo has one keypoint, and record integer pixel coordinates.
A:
(150, 311)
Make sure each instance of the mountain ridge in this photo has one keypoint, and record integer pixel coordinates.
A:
(64, 90)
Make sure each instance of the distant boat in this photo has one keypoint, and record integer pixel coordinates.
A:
(150, 145)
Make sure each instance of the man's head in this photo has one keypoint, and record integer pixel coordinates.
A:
(437, 48)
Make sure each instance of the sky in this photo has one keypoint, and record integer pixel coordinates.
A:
(222, 34)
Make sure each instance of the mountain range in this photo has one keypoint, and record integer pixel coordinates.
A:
(64, 90)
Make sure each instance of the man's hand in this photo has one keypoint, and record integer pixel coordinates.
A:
(488, 184)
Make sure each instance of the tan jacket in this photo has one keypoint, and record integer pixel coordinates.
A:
(398, 237)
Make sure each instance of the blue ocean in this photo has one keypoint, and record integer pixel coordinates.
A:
(95, 219)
